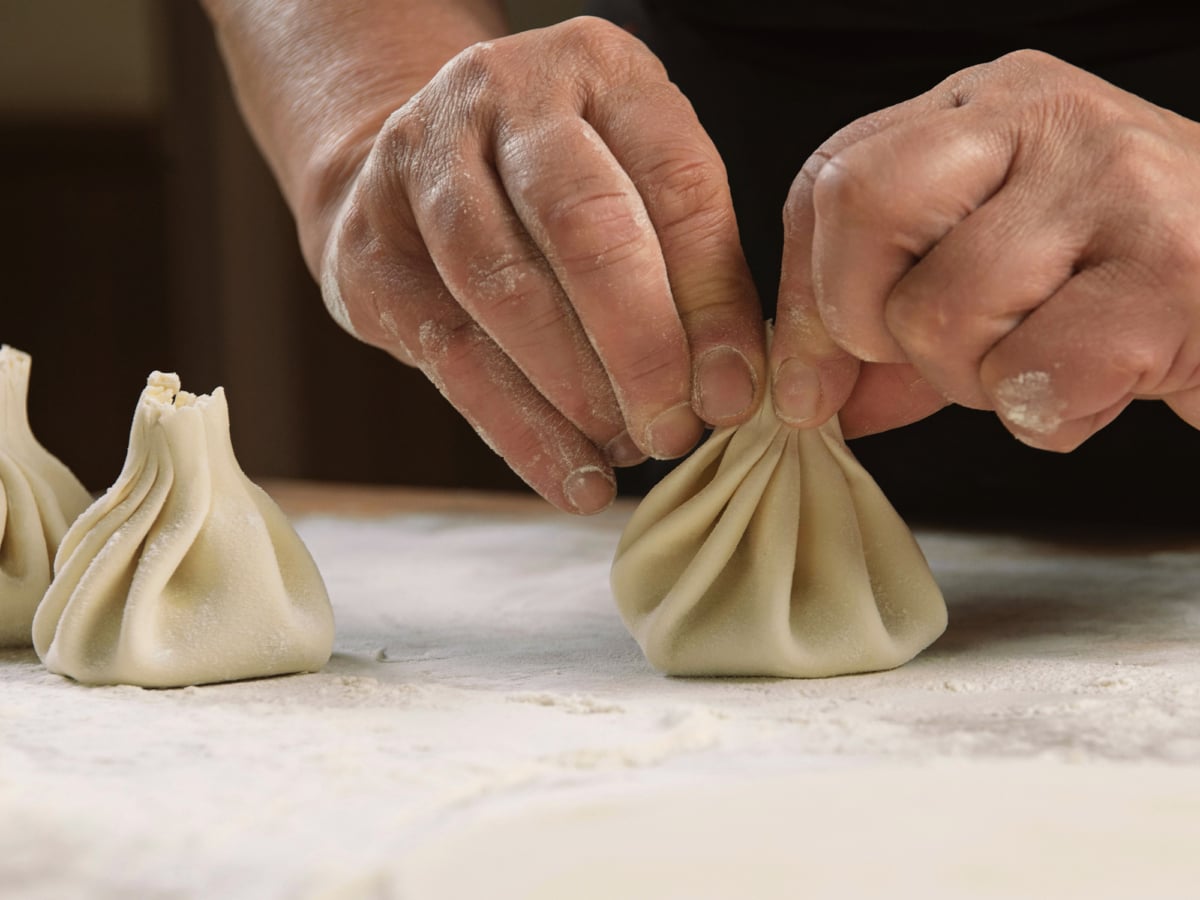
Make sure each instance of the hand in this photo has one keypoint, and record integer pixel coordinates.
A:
(546, 231)
(1023, 238)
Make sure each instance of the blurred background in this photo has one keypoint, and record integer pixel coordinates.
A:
(140, 230)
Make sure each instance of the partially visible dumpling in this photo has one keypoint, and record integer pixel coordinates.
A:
(184, 572)
(39, 498)
(771, 551)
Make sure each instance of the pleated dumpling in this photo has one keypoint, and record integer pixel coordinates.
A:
(771, 551)
(39, 499)
(184, 572)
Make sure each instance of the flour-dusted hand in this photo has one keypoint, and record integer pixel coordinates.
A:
(1024, 238)
(539, 223)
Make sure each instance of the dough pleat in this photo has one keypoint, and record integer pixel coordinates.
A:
(184, 572)
(39, 498)
(771, 551)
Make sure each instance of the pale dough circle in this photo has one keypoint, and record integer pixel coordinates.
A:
(947, 830)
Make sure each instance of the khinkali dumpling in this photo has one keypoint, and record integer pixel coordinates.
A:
(771, 551)
(39, 498)
(184, 572)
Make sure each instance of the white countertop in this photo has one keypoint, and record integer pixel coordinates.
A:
(486, 727)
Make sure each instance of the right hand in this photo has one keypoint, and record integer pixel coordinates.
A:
(546, 230)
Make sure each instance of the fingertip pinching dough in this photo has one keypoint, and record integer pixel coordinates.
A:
(39, 498)
(184, 572)
(772, 552)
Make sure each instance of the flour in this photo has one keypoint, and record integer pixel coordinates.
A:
(511, 709)
(1028, 401)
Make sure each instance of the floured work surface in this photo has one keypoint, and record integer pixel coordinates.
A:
(487, 728)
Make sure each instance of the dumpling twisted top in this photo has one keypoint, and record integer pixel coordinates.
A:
(184, 572)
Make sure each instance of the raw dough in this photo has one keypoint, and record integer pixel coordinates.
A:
(39, 498)
(184, 572)
(771, 551)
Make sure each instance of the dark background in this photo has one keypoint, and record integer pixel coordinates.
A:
(141, 230)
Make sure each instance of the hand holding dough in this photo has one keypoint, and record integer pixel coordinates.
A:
(39, 498)
(184, 572)
(771, 551)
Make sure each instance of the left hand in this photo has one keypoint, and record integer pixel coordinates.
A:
(1023, 238)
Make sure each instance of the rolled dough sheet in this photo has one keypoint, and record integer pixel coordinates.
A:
(486, 716)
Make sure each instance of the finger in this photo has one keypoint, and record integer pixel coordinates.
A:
(496, 273)
(884, 202)
(653, 134)
(511, 415)
(887, 396)
(590, 224)
(1076, 361)
(394, 298)
(976, 285)
(811, 374)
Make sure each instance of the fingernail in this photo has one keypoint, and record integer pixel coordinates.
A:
(725, 384)
(589, 490)
(673, 432)
(622, 451)
(797, 392)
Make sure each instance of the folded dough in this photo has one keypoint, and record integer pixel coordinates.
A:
(771, 551)
(184, 572)
(39, 498)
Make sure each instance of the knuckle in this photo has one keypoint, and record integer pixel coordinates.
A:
(1159, 235)
(800, 332)
(798, 207)
(595, 229)
(402, 134)
(588, 31)
(711, 313)
(918, 324)
(843, 190)
(689, 192)
(599, 44)
(1179, 253)
(518, 442)
(1138, 163)
(451, 348)
(498, 278)
(513, 293)
(1136, 359)
(1029, 71)
(446, 201)
(1027, 59)
(652, 365)
(476, 71)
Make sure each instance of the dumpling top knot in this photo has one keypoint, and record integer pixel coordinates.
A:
(161, 388)
(184, 572)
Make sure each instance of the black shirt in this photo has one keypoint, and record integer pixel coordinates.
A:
(771, 81)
